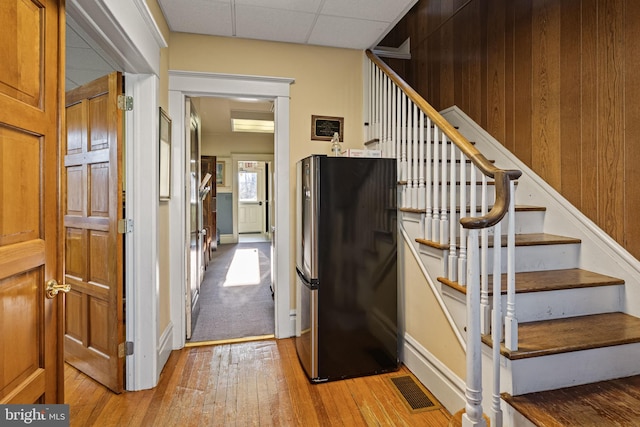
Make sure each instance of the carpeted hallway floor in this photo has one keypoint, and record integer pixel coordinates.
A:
(235, 295)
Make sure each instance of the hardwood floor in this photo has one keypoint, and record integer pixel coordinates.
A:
(253, 383)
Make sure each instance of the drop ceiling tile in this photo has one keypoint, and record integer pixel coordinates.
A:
(346, 32)
(199, 16)
(295, 5)
(374, 10)
(268, 24)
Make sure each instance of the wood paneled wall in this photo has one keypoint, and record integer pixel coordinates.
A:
(557, 82)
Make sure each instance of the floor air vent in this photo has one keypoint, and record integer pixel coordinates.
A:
(415, 397)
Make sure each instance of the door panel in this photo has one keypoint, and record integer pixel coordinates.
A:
(195, 265)
(94, 248)
(30, 110)
(208, 166)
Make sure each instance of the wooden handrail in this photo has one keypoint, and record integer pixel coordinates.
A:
(501, 176)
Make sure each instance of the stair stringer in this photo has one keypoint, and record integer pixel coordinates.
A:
(447, 386)
(436, 372)
(599, 252)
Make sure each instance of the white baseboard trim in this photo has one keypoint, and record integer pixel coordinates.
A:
(445, 385)
(164, 348)
(292, 322)
(226, 239)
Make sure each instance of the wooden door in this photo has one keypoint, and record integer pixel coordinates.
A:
(30, 113)
(208, 166)
(92, 194)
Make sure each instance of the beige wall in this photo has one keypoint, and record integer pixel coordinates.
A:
(239, 143)
(424, 320)
(328, 81)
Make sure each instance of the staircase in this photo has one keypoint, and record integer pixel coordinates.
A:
(575, 306)
(572, 328)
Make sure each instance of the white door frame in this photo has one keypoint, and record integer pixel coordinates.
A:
(198, 84)
(126, 31)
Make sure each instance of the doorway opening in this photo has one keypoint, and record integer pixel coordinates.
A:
(182, 85)
(236, 300)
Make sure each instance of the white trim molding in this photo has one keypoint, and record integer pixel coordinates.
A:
(183, 84)
(125, 30)
(141, 279)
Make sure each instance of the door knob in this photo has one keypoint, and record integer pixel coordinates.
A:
(53, 287)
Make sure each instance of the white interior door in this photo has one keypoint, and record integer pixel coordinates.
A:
(195, 266)
(251, 197)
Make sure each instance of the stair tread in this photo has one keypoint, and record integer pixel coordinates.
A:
(530, 239)
(540, 281)
(557, 336)
(605, 403)
(548, 280)
(535, 239)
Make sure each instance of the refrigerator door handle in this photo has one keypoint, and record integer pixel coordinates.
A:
(311, 284)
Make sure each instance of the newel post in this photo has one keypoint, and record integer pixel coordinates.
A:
(473, 393)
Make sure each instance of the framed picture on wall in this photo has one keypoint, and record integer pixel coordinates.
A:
(164, 156)
(323, 128)
(220, 174)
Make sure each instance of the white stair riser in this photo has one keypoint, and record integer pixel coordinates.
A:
(457, 167)
(540, 257)
(570, 369)
(409, 189)
(558, 304)
(413, 223)
(526, 222)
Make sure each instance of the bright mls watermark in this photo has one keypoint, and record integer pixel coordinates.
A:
(34, 415)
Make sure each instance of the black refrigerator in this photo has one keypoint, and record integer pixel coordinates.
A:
(346, 265)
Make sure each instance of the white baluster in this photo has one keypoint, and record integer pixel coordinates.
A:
(421, 191)
(453, 224)
(428, 222)
(399, 135)
(370, 100)
(416, 162)
(404, 149)
(385, 116)
(378, 102)
(462, 259)
(511, 321)
(410, 159)
(496, 326)
(485, 320)
(444, 215)
(394, 123)
(436, 185)
(473, 392)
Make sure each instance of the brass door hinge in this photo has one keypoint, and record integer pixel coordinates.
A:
(125, 349)
(125, 226)
(125, 102)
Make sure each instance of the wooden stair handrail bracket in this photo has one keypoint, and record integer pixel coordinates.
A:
(501, 176)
